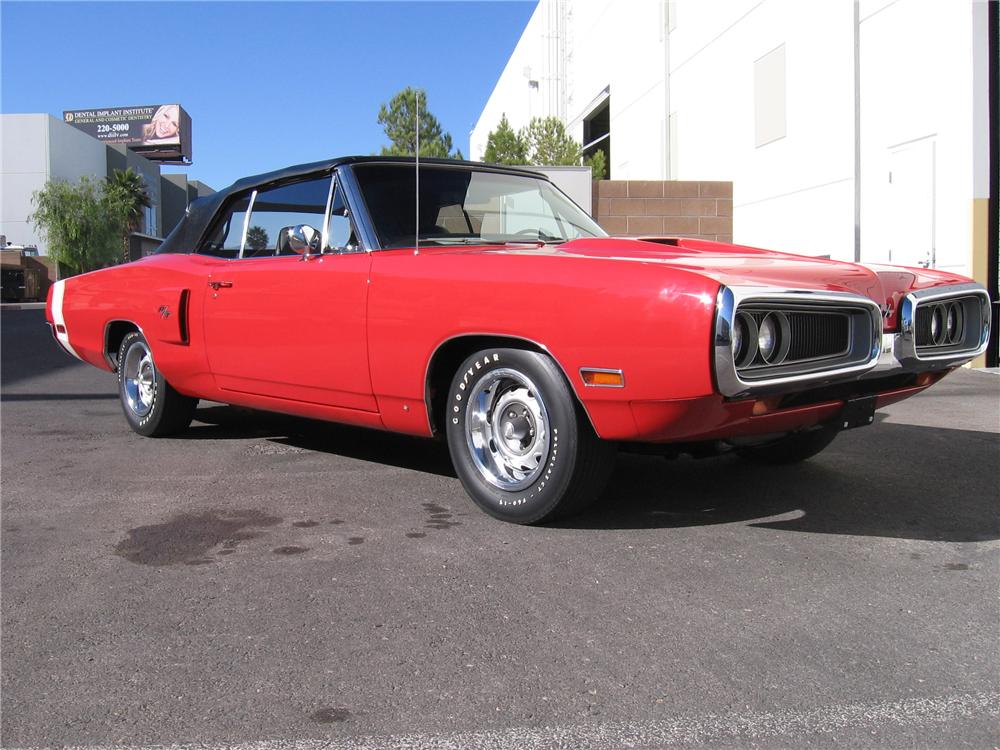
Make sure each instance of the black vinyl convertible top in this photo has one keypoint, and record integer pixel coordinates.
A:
(189, 231)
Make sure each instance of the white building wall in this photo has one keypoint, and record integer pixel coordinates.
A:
(795, 193)
(600, 44)
(36, 148)
(625, 51)
(24, 167)
(918, 94)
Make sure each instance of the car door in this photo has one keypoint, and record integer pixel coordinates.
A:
(285, 323)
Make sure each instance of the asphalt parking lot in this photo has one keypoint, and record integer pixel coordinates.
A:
(272, 582)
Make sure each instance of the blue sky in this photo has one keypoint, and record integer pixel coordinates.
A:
(267, 84)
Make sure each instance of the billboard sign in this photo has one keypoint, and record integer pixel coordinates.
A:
(161, 132)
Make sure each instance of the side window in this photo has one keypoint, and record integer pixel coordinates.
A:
(340, 238)
(226, 234)
(277, 210)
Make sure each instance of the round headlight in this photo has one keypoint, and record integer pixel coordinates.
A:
(773, 338)
(744, 341)
(953, 323)
(937, 325)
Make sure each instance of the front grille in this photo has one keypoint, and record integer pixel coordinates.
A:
(812, 334)
(819, 337)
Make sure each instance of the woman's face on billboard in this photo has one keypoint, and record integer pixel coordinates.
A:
(166, 122)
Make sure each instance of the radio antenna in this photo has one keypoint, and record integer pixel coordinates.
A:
(416, 231)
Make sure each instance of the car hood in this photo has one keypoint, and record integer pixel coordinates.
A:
(739, 265)
(732, 265)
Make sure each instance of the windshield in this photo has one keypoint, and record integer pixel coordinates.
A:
(460, 206)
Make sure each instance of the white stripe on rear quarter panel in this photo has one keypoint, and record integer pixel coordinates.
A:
(58, 290)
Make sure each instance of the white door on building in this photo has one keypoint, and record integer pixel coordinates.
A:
(911, 205)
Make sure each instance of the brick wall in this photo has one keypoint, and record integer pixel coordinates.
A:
(672, 208)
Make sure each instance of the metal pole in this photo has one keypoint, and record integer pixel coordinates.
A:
(416, 231)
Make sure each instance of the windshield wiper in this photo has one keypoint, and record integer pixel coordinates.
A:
(542, 238)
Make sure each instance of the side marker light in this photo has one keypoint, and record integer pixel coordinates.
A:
(606, 378)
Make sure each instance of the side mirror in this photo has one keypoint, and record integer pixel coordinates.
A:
(304, 240)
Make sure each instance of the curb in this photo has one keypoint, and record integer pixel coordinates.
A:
(22, 306)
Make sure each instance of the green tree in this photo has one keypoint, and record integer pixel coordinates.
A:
(257, 238)
(543, 142)
(127, 188)
(82, 224)
(504, 146)
(548, 142)
(598, 164)
(398, 119)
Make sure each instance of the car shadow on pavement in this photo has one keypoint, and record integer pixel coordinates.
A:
(27, 349)
(898, 481)
(237, 423)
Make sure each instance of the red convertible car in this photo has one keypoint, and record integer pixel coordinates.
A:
(495, 312)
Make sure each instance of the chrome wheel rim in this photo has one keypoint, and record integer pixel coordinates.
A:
(139, 377)
(507, 429)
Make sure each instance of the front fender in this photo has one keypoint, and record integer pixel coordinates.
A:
(650, 321)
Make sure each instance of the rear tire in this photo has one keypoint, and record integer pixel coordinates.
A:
(521, 446)
(152, 407)
(790, 449)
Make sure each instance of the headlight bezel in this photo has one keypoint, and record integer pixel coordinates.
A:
(735, 379)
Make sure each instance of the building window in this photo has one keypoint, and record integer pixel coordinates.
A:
(769, 97)
(673, 152)
(597, 133)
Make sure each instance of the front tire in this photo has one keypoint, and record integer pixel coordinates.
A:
(522, 447)
(152, 407)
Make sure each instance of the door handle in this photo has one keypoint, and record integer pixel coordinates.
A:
(217, 285)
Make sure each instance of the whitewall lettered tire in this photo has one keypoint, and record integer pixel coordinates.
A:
(522, 447)
(152, 407)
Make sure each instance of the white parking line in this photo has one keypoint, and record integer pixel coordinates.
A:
(910, 712)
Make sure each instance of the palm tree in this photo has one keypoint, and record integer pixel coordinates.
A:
(127, 188)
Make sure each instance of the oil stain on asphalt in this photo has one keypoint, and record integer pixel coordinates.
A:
(290, 550)
(193, 538)
(330, 715)
(187, 538)
(439, 516)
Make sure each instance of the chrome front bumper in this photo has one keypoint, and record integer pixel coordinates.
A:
(897, 354)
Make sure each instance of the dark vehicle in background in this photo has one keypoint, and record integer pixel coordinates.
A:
(23, 278)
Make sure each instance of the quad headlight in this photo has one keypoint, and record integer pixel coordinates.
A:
(770, 337)
(937, 325)
(953, 329)
(767, 342)
(943, 323)
(745, 339)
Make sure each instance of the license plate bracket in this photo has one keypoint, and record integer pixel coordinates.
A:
(857, 412)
